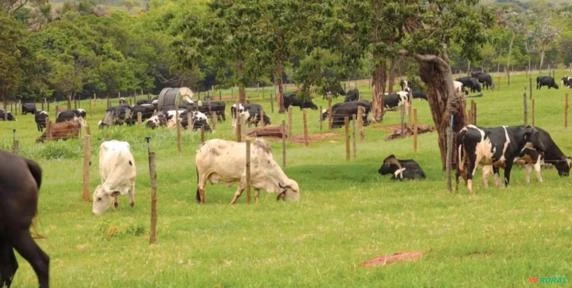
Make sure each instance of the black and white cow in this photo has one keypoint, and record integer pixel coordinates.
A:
(414, 91)
(347, 109)
(292, 99)
(29, 108)
(546, 81)
(118, 115)
(198, 120)
(567, 81)
(470, 83)
(20, 180)
(250, 113)
(6, 116)
(497, 146)
(69, 115)
(484, 78)
(401, 169)
(41, 119)
(393, 100)
(157, 120)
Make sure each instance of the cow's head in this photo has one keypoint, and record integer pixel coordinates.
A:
(563, 166)
(531, 134)
(289, 190)
(324, 114)
(390, 164)
(102, 199)
(9, 116)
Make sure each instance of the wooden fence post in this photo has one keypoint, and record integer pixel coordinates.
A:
(214, 116)
(347, 134)
(15, 143)
(321, 121)
(49, 131)
(414, 130)
(283, 143)
(86, 166)
(290, 123)
(202, 134)
(525, 107)
(305, 122)
(530, 87)
(532, 111)
(139, 118)
(330, 116)
(402, 111)
(449, 156)
(271, 103)
(238, 128)
(354, 154)
(178, 123)
(360, 113)
(475, 113)
(153, 178)
(247, 142)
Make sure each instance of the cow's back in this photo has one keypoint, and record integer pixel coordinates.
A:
(116, 163)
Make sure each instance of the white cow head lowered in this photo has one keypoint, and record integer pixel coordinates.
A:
(117, 171)
(289, 191)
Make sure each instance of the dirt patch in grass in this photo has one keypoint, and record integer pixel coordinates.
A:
(315, 137)
(393, 258)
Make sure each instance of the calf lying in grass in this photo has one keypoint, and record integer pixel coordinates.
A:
(401, 169)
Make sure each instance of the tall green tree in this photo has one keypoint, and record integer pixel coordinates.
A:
(11, 35)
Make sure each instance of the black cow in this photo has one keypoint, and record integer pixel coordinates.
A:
(545, 81)
(401, 169)
(147, 110)
(41, 119)
(497, 146)
(347, 109)
(20, 180)
(352, 95)
(414, 91)
(29, 108)
(484, 78)
(116, 116)
(567, 81)
(470, 83)
(6, 116)
(393, 100)
(292, 99)
(208, 107)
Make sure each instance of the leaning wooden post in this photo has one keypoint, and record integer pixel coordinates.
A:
(86, 166)
(283, 143)
(15, 143)
(525, 107)
(347, 130)
(139, 118)
(354, 136)
(566, 111)
(290, 123)
(414, 129)
(449, 156)
(247, 171)
(153, 177)
(360, 112)
(305, 122)
(532, 111)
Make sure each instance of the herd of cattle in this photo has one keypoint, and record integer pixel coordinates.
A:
(220, 160)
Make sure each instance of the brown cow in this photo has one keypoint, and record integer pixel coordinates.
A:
(63, 130)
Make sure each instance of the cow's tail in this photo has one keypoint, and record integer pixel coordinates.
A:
(36, 171)
(198, 195)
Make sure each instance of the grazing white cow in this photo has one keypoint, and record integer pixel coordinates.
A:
(117, 172)
(225, 161)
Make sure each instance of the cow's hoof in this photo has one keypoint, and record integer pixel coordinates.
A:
(132, 204)
(116, 204)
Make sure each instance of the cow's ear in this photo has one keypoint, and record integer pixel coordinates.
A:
(115, 193)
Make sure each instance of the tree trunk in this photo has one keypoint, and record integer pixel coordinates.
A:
(241, 85)
(279, 87)
(444, 102)
(69, 101)
(542, 53)
(379, 78)
(392, 67)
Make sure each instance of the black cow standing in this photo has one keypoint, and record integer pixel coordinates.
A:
(551, 155)
(352, 95)
(497, 146)
(347, 109)
(401, 169)
(292, 99)
(29, 108)
(20, 180)
(208, 107)
(484, 78)
(545, 81)
(470, 83)
(41, 119)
